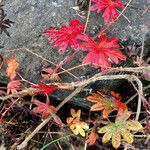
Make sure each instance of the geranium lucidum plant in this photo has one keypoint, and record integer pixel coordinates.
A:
(77, 126)
(121, 127)
(109, 8)
(66, 35)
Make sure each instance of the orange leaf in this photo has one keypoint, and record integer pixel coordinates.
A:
(11, 67)
(92, 138)
(102, 103)
(97, 107)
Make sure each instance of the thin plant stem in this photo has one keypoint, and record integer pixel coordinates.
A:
(111, 23)
(39, 56)
(52, 142)
(61, 64)
(88, 16)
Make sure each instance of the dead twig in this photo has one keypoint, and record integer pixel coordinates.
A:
(39, 127)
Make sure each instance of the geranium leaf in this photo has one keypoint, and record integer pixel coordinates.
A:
(77, 126)
(100, 53)
(133, 125)
(44, 89)
(127, 136)
(116, 139)
(120, 128)
(66, 35)
(12, 65)
(13, 86)
(109, 8)
(107, 136)
(44, 109)
(97, 107)
(92, 138)
(102, 103)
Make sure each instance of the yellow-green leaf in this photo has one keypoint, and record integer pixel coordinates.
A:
(116, 139)
(127, 136)
(133, 125)
(82, 132)
(107, 136)
(104, 129)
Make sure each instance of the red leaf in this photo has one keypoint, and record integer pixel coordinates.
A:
(102, 52)
(11, 67)
(44, 109)
(92, 138)
(119, 106)
(13, 86)
(66, 35)
(109, 8)
(44, 89)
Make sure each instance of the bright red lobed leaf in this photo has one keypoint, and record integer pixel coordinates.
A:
(44, 89)
(66, 35)
(44, 109)
(101, 53)
(109, 8)
(12, 86)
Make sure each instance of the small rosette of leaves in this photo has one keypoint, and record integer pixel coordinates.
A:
(121, 128)
(106, 104)
(77, 126)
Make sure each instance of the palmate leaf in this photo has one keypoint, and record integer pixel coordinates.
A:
(44, 89)
(66, 35)
(12, 65)
(92, 138)
(116, 139)
(133, 125)
(102, 103)
(13, 86)
(120, 128)
(100, 53)
(108, 7)
(77, 126)
(127, 136)
(44, 109)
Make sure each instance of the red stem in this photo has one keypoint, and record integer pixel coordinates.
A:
(102, 31)
(61, 64)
